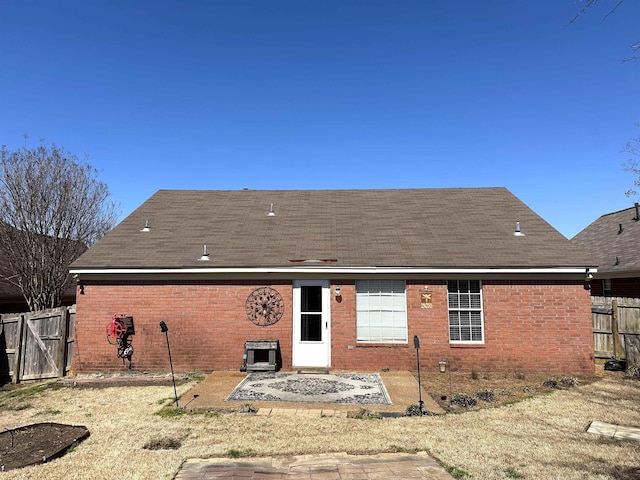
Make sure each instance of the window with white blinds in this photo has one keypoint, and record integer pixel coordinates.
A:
(465, 311)
(381, 311)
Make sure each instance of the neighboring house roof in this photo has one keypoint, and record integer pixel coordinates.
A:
(409, 228)
(7, 289)
(12, 294)
(613, 241)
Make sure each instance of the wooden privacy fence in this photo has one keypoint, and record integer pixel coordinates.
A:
(616, 328)
(37, 345)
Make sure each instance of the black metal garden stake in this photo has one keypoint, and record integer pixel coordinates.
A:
(416, 344)
(165, 329)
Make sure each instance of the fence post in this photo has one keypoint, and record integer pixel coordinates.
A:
(614, 328)
(62, 347)
(17, 357)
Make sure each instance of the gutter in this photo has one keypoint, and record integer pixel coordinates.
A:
(337, 270)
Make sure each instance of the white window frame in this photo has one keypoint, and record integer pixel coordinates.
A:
(373, 304)
(455, 295)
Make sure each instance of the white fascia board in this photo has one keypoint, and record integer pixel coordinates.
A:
(338, 270)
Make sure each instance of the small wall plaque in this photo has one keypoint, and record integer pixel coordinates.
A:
(426, 299)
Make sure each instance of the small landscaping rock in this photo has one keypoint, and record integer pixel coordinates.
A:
(486, 395)
(462, 400)
(569, 381)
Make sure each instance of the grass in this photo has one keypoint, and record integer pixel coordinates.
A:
(163, 443)
(235, 453)
(171, 412)
(48, 412)
(29, 391)
(456, 472)
(72, 448)
(546, 433)
(513, 473)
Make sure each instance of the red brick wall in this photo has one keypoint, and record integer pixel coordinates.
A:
(207, 325)
(529, 326)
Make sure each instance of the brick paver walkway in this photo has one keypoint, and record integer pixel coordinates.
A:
(329, 466)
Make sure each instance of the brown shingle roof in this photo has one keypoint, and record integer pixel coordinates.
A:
(458, 227)
(604, 241)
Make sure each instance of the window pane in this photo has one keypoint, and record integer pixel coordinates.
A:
(311, 328)
(476, 333)
(311, 298)
(464, 301)
(381, 311)
(465, 335)
(475, 301)
(375, 319)
(454, 302)
(454, 334)
(465, 311)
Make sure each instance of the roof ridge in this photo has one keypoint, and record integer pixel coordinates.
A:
(618, 211)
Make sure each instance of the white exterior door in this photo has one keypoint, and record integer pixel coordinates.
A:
(311, 324)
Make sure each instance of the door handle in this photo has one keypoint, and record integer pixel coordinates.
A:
(326, 325)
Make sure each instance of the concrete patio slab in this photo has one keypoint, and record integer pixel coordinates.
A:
(210, 395)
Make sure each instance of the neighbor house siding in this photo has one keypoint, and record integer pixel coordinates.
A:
(528, 326)
(620, 287)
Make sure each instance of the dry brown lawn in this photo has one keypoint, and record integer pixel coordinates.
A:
(542, 437)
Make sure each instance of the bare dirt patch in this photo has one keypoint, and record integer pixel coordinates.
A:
(458, 391)
(37, 443)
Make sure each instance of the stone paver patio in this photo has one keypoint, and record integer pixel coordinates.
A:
(326, 466)
(619, 432)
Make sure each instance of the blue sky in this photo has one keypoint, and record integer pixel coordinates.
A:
(331, 94)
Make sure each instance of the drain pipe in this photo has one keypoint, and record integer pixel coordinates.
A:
(416, 344)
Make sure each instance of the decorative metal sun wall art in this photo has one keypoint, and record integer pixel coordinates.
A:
(264, 306)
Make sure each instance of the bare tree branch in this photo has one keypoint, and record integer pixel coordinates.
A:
(633, 147)
(587, 4)
(613, 10)
(52, 207)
